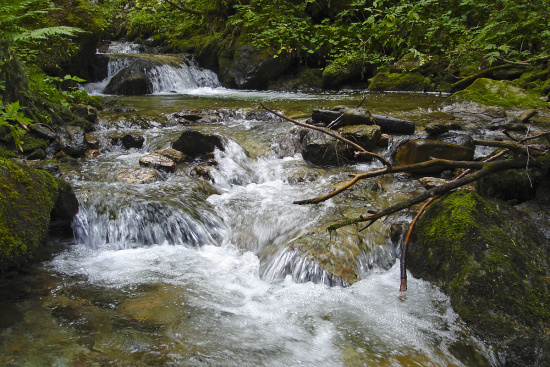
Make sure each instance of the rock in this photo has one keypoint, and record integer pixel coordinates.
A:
(128, 141)
(417, 151)
(366, 136)
(92, 153)
(455, 137)
(434, 128)
(392, 125)
(172, 154)
(337, 73)
(248, 68)
(504, 94)
(72, 140)
(431, 182)
(507, 123)
(158, 161)
(42, 131)
(195, 143)
(27, 197)
(85, 112)
(129, 82)
(203, 172)
(512, 185)
(65, 208)
(409, 62)
(412, 81)
(137, 175)
(92, 141)
(527, 114)
(323, 150)
(493, 264)
(357, 116)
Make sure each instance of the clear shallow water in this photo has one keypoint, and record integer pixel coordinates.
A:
(184, 273)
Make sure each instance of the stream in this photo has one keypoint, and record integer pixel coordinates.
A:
(184, 272)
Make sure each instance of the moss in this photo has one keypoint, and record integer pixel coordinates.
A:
(400, 82)
(27, 197)
(489, 260)
(498, 93)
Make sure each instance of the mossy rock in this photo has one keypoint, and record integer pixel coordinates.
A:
(493, 263)
(27, 196)
(501, 93)
(413, 82)
(343, 71)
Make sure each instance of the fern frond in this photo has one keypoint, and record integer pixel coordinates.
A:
(44, 33)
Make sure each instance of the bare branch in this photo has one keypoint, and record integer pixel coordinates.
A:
(331, 133)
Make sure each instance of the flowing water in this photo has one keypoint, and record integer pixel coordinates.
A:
(183, 272)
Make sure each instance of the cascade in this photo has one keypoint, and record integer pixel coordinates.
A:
(183, 271)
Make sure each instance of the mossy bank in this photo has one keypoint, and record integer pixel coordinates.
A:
(493, 263)
(27, 198)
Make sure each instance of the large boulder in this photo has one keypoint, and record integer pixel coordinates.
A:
(195, 143)
(248, 68)
(504, 94)
(323, 150)
(366, 136)
(493, 263)
(27, 198)
(130, 81)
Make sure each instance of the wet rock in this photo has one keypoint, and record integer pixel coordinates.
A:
(195, 143)
(527, 114)
(42, 131)
(203, 172)
(493, 264)
(130, 81)
(158, 161)
(507, 123)
(431, 182)
(366, 136)
(85, 112)
(455, 137)
(128, 141)
(357, 116)
(72, 140)
(209, 119)
(172, 154)
(417, 151)
(435, 128)
(92, 153)
(137, 175)
(92, 141)
(323, 150)
(65, 208)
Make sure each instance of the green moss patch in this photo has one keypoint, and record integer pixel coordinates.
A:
(399, 82)
(500, 93)
(27, 196)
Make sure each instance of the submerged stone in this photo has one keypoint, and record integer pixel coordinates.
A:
(137, 175)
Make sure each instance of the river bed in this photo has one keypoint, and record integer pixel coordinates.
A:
(182, 272)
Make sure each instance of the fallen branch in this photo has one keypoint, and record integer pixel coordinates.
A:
(487, 169)
(330, 133)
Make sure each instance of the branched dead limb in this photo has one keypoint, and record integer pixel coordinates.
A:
(406, 241)
(487, 169)
(330, 133)
(395, 169)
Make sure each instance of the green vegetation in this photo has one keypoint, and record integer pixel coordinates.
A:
(460, 34)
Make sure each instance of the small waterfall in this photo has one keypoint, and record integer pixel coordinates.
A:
(167, 74)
